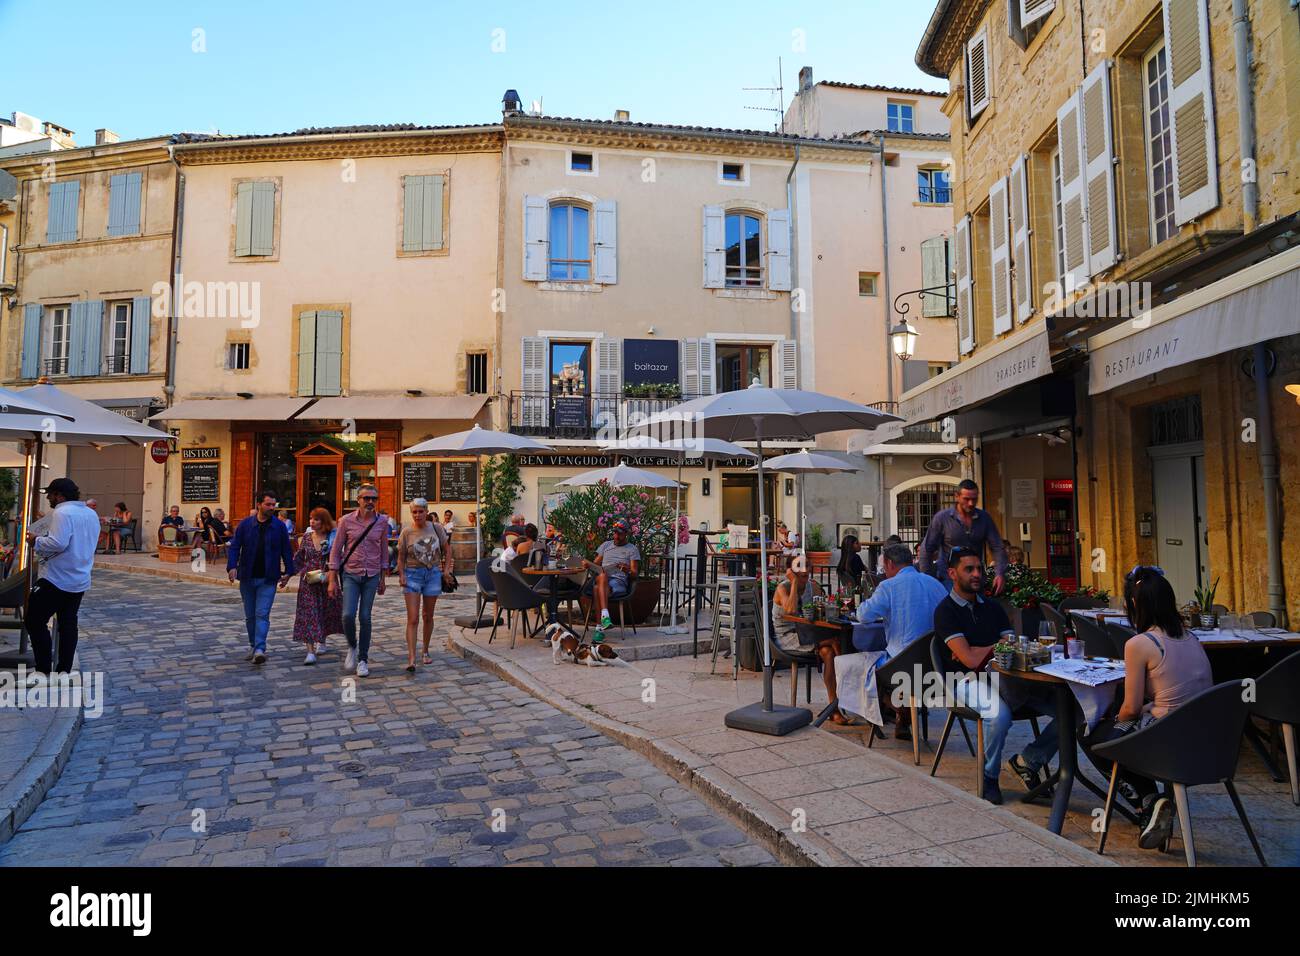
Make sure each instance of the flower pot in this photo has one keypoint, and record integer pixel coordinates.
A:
(1209, 621)
(818, 559)
(638, 610)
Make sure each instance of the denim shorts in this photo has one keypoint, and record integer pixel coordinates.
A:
(424, 581)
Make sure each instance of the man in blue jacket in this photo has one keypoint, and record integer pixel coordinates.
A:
(257, 551)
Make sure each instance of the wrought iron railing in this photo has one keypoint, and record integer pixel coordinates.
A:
(117, 364)
(56, 366)
(936, 194)
(553, 415)
(924, 433)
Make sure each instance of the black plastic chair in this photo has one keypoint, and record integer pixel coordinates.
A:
(1196, 743)
(615, 601)
(1096, 642)
(487, 593)
(1062, 623)
(1263, 618)
(1277, 700)
(13, 597)
(915, 655)
(796, 659)
(1119, 635)
(514, 594)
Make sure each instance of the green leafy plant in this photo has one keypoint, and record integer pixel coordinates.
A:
(817, 540)
(8, 492)
(1205, 597)
(586, 515)
(652, 390)
(502, 487)
(1024, 587)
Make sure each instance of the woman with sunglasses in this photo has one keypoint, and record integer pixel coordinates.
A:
(1164, 666)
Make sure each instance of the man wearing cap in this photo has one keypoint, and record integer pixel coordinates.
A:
(68, 549)
(615, 561)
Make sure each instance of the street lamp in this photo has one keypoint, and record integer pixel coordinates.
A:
(1295, 390)
(903, 337)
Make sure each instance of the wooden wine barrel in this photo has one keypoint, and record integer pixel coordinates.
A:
(462, 549)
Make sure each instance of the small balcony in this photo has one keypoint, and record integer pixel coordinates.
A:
(925, 433)
(55, 366)
(936, 194)
(581, 417)
(117, 364)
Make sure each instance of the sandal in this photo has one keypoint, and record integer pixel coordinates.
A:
(427, 659)
(410, 668)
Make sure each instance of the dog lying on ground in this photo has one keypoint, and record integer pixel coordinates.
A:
(566, 644)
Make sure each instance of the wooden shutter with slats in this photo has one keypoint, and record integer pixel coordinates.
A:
(1032, 11)
(307, 353)
(1099, 169)
(1000, 257)
(31, 354)
(537, 248)
(965, 296)
(606, 241)
(329, 352)
(934, 275)
(715, 247)
(1073, 208)
(1191, 107)
(263, 232)
(778, 250)
(534, 381)
(141, 314)
(787, 361)
(977, 73)
(1021, 253)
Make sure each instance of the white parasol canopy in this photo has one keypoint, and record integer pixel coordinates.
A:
(807, 463)
(620, 476)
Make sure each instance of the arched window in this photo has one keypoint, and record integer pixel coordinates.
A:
(570, 235)
(744, 250)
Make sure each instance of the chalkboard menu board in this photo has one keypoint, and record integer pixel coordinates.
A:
(418, 480)
(200, 481)
(458, 481)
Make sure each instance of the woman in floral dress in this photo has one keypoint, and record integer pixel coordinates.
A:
(318, 614)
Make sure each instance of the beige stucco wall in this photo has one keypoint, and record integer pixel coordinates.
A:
(829, 111)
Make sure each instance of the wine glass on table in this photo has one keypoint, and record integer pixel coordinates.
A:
(1047, 637)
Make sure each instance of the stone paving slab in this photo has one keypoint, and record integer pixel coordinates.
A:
(34, 747)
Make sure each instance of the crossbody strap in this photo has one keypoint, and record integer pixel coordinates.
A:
(357, 543)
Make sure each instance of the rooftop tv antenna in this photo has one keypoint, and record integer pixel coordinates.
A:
(779, 90)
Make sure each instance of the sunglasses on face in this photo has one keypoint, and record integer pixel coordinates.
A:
(369, 497)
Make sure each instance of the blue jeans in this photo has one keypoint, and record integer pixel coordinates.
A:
(997, 713)
(358, 592)
(258, 595)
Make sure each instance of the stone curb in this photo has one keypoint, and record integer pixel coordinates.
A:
(758, 816)
(24, 793)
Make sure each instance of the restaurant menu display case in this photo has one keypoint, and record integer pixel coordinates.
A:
(1062, 568)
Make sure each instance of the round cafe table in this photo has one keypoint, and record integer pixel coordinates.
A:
(551, 574)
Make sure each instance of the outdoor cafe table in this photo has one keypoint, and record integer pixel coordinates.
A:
(551, 574)
(1211, 639)
(841, 627)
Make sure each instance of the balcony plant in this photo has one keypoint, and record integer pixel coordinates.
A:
(670, 390)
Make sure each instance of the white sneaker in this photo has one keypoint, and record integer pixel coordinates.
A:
(259, 657)
(311, 658)
(363, 669)
(350, 662)
(249, 655)
(320, 647)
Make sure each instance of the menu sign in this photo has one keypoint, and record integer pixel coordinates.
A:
(418, 480)
(200, 480)
(458, 481)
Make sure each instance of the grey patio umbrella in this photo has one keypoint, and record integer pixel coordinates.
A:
(16, 403)
(477, 441)
(753, 414)
(620, 476)
(807, 463)
(699, 449)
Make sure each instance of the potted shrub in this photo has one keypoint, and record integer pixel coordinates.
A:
(817, 547)
(1024, 590)
(1205, 605)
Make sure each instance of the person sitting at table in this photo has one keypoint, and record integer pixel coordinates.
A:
(172, 519)
(213, 530)
(617, 561)
(905, 601)
(970, 626)
(791, 595)
(1164, 666)
(782, 536)
(448, 522)
(850, 569)
(121, 527)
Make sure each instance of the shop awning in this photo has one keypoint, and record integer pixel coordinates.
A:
(1017, 359)
(396, 408)
(1257, 303)
(234, 409)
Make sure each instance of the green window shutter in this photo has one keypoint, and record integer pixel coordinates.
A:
(31, 359)
(307, 353)
(141, 312)
(329, 353)
(422, 213)
(431, 234)
(124, 204)
(244, 220)
(263, 234)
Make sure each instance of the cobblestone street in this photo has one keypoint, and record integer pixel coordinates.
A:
(203, 758)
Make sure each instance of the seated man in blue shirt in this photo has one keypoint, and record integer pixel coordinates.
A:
(905, 600)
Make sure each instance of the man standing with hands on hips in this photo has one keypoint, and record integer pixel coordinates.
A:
(358, 560)
(257, 551)
(68, 549)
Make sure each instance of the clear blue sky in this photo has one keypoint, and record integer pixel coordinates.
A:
(273, 66)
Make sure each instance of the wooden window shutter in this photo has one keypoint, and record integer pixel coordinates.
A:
(778, 250)
(609, 367)
(141, 316)
(124, 204)
(977, 73)
(1191, 105)
(606, 242)
(1000, 257)
(1021, 251)
(787, 355)
(92, 357)
(715, 247)
(77, 339)
(934, 275)
(1032, 11)
(263, 232)
(1073, 207)
(965, 298)
(307, 353)
(61, 224)
(431, 237)
(535, 381)
(1099, 169)
(537, 247)
(31, 355)
(412, 212)
(244, 219)
(329, 352)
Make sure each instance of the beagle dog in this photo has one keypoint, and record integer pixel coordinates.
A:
(566, 644)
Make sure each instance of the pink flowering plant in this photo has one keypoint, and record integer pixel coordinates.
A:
(587, 515)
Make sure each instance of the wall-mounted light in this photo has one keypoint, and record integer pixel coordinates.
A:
(903, 337)
(1295, 390)
(705, 486)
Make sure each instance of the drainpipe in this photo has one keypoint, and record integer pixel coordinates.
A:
(1268, 468)
(794, 261)
(884, 238)
(1245, 112)
(178, 228)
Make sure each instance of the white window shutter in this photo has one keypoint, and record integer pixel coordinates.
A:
(965, 298)
(1191, 107)
(1034, 10)
(1073, 207)
(609, 367)
(535, 381)
(537, 247)
(778, 250)
(787, 356)
(977, 73)
(708, 366)
(934, 275)
(607, 241)
(1021, 254)
(715, 247)
(698, 359)
(1000, 257)
(1099, 169)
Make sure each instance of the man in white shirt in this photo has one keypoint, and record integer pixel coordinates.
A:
(68, 550)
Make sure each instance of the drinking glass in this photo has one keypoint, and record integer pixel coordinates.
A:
(1228, 623)
(1076, 649)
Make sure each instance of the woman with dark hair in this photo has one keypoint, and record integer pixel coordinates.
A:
(850, 569)
(1164, 666)
(318, 614)
(122, 531)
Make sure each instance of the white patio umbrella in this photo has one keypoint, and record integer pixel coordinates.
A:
(620, 476)
(16, 403)
(807, 463)
(700, 449)
(477, 441)
(753, 414)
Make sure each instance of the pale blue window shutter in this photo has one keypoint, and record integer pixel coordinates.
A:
(412, 212)
(431, 216)
(31, 340)
(77, 339)
(124, 204)
(61, 225)
(537, 247)
(778, 250)
(307, 353)
(329, 353)
(244, 220)
(607, 241)
(263, 219)
(141, 313)
(92, 356)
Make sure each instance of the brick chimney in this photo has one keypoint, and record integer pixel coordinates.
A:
(622, 116)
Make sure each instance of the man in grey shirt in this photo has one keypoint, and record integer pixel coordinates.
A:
(615, 561)
(962, 526)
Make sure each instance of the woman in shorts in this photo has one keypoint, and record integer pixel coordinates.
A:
(422, 556)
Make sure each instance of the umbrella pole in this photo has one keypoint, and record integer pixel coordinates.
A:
(762, 583)
(672, 559)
